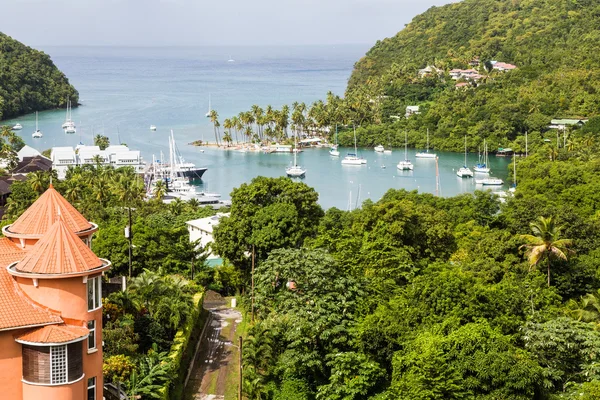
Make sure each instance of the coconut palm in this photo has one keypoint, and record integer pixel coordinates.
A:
(545, 244)
(214, 118)
(160, 189)
(586, 310)
(37, 180)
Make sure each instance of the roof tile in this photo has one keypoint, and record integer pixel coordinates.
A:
(38, 218)
(59, 251)
(16, 309)
(54, 334)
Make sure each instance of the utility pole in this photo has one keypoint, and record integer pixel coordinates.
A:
(129, 236)
(240, 368)
(252, 313)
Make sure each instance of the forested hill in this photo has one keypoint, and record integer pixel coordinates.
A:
(545, 34)
(551, 42)
(29, 80)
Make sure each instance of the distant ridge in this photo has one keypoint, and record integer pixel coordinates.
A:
(30, 81)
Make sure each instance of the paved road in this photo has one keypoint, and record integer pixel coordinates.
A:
(216, 357)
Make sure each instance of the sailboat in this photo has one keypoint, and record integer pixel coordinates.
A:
(514, 185)
(389, 150)
(37, 134)
(333, 151)
(464, 171)
(405, 165)
(483, 167)
(295, 171)
(353, 158)
(209, 107)
(426, 154)
(69, 124)
(230, 60)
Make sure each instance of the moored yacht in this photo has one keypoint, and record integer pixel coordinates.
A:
(353, 158)
(379, 149)
(17, 127)
(464, 171)
(490, 182)
(426, 153)
(405, 165)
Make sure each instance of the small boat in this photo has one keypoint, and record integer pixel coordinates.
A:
(295, 171)
(230, 60)
(387, 152)
(152, 127)
(490, 182)
(482, 165)
(209, 108)
(333, 151)
(379, 149)
(17, 127)
(37, 134)
(464, 171)
(69, 123)
(353, 158)
(405, 165)
(426, 153)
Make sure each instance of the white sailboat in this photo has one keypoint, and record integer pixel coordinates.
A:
(37, 134)
(490, 182)
(209, 107)
(17, 127)
(464, 171)
(295, 171)
(230, 60)
(69, 124)
(353, 158)
(152, 127)
(426, 154)
(405, 165)
(483, 167)
(389, 150)
(333, 151)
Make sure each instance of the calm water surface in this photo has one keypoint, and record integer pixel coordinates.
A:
(125, 90)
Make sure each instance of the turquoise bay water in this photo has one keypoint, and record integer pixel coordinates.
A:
(125, 90)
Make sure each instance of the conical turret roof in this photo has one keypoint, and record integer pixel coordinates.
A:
(59, 252)
(38, 218)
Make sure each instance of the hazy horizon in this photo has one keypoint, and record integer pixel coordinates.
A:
(188, 23)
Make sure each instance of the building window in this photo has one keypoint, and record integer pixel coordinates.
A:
(92, 337)
(91, 394)
(58, 364)
(94, 291)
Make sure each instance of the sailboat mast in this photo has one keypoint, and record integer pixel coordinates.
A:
(526, 150)
(515, 170)
(465, 151)
(355, 150)
(437, 178)
(427, 140)
(405, 147)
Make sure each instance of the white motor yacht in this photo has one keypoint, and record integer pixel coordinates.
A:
(152, 127)
(490, 182)
(17, 127)
(379, 149)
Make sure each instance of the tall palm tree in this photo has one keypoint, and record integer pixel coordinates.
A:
(37, 181)
(545, 244)
(214, 118)
(129, 191)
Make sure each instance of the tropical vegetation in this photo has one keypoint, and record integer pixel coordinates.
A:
(30, 81)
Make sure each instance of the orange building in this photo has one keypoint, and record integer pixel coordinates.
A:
(50, 305)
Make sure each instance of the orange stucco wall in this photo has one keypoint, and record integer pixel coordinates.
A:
(29, 242)
(74, 391)
(11, 366)
(70, 297)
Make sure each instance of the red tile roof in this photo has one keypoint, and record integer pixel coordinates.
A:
(54, 334)
(38, 218)
(60, 252)
(16, 309)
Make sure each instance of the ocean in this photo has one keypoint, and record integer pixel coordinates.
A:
(124, 90)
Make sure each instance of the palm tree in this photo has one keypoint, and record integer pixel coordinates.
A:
(37, 181)
(160, 189)
(586, 310)
(545, 243)
(73, 189)
(129, 191)
(214, 118)
(101, 141)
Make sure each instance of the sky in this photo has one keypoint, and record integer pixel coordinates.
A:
(203, 22)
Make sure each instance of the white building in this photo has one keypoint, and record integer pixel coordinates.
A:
(116, 156)
(412, 110)
(202, 230)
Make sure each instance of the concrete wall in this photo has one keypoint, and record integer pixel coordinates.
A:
(74, 391)
(11, 366)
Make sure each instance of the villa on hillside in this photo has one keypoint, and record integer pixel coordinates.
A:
(563, 123)
(412, 110)
(429, 70)
(471, 74)
(50, 305)
(501, 66)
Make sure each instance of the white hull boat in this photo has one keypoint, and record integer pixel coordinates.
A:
(490, 182)
(464, 172)
(426, 153)
(379, 149)
(37, 134)
(152, 127)
(353, 158)
(17, 127)
(405, 165)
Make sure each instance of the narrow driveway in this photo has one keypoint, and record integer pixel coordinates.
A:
(216, 362)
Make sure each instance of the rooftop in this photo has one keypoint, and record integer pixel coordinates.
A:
(54, 334)
(16, 309)
(59, 252)
(207, 224)
(38, 218)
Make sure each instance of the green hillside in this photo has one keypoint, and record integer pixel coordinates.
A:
(552, 42)
(30, 81)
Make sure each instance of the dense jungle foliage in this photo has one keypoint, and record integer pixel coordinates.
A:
(29, 81)
(423, 297)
